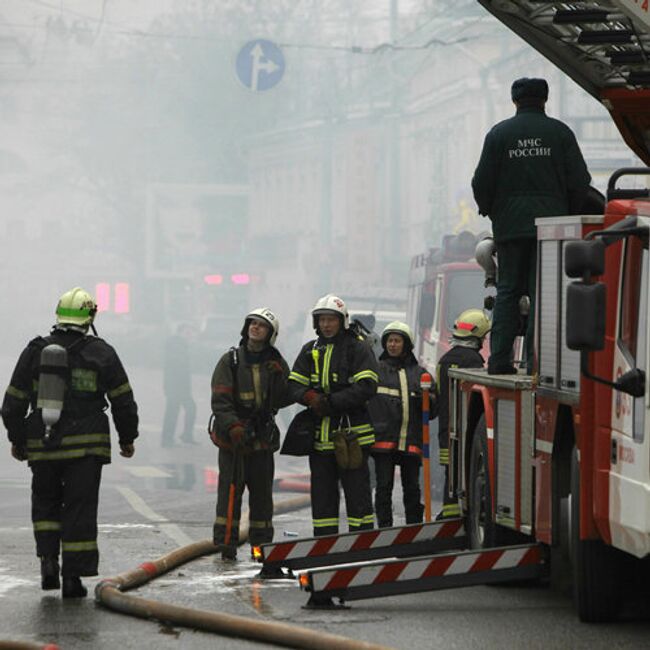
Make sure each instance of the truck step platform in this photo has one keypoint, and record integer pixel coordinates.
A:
(429, 573)
(399, 541)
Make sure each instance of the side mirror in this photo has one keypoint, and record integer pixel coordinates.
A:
(582, 257)
(585, 316)
(632, 382)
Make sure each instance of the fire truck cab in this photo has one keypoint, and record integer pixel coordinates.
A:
(574, 437)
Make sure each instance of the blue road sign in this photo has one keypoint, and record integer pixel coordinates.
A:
(260, 65)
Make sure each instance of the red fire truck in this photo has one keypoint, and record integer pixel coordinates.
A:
(443, 283)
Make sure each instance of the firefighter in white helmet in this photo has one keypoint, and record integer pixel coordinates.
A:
(61, 383)
(249, 386)
(396, 412)
(470, 329)
(334, 376)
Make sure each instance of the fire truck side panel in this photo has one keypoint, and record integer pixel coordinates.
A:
(628, 479)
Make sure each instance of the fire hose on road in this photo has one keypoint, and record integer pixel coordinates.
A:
(110, 592)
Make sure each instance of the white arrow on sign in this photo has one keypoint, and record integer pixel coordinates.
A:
(259, 65)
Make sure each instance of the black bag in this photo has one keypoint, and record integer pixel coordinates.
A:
(299, 440)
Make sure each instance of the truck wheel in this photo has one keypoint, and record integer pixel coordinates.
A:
(597, 568)
(481, 528)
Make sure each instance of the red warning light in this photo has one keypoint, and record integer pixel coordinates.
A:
(214, 279)
(240, 278)
(103, 296)
(121, 298)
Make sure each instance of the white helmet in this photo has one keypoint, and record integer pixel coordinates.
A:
(331, 304)
(265, 314)
(397, 327)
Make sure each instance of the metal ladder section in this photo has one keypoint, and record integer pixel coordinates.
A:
(600, 44)
(430, 573)
(399, 541)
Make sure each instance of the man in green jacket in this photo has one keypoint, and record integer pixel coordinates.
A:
(531, 166)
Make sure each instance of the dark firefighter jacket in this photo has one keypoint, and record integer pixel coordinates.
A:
(345, 369)
(458, 357)
(530, 166)
(396, 409)
(96, 372)
(251, 398)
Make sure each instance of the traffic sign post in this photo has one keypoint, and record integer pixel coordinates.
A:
(260, 65)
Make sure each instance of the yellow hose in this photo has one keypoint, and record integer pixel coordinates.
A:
(110, 592)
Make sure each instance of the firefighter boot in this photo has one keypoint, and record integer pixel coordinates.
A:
(50, 572)
(228, 552)
(73, 587)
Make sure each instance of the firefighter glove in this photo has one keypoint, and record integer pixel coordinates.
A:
(317, 402)
(127, 450)
(18, 452)
(237, 433)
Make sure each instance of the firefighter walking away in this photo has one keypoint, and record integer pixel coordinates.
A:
(334, 376)
(53, 410)
(249, 386)
(396, 412)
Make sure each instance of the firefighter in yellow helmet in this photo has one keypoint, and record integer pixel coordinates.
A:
(334, 376)
(396, 412)
(53, 410)
(470, 329)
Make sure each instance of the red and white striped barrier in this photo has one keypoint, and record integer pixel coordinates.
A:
(386, 578)
(400, 541)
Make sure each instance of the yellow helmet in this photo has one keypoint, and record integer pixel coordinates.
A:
(397, 327)
(472, 323)
(76, 307)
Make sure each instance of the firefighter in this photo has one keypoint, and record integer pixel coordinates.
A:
(470, 329)
(531, 166)
(65, 437)
(249, 386)
(396, 412)
(334, 376)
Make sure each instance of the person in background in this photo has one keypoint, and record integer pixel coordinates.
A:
(470, 330)
(177, 384)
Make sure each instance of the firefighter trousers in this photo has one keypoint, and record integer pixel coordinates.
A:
(517, 273)
(65, 494)
(255, 471)
(410, 474)
(325, 477)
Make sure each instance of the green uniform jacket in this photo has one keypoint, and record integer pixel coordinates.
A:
(253, 400)
(345, 369)
(530, 167)
(96, 372)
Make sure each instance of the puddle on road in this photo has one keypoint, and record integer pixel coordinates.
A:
(9, 582)
(123, 526)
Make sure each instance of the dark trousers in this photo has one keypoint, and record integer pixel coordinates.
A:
(172, 409)
(517, 274)
(325, 477)
(410, 473)
(65, 494)
(255, 471)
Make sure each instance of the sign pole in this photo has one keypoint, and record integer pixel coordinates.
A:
(425, 384)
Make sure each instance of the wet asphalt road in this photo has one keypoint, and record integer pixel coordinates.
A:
(163, 498)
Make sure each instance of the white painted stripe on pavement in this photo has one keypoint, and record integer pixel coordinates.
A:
(137, 503)
(147, 471)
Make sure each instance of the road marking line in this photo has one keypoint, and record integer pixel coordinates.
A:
(147, 471)
(137, 503)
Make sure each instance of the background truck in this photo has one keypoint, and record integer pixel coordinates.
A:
(443, 283)
(563, 457)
